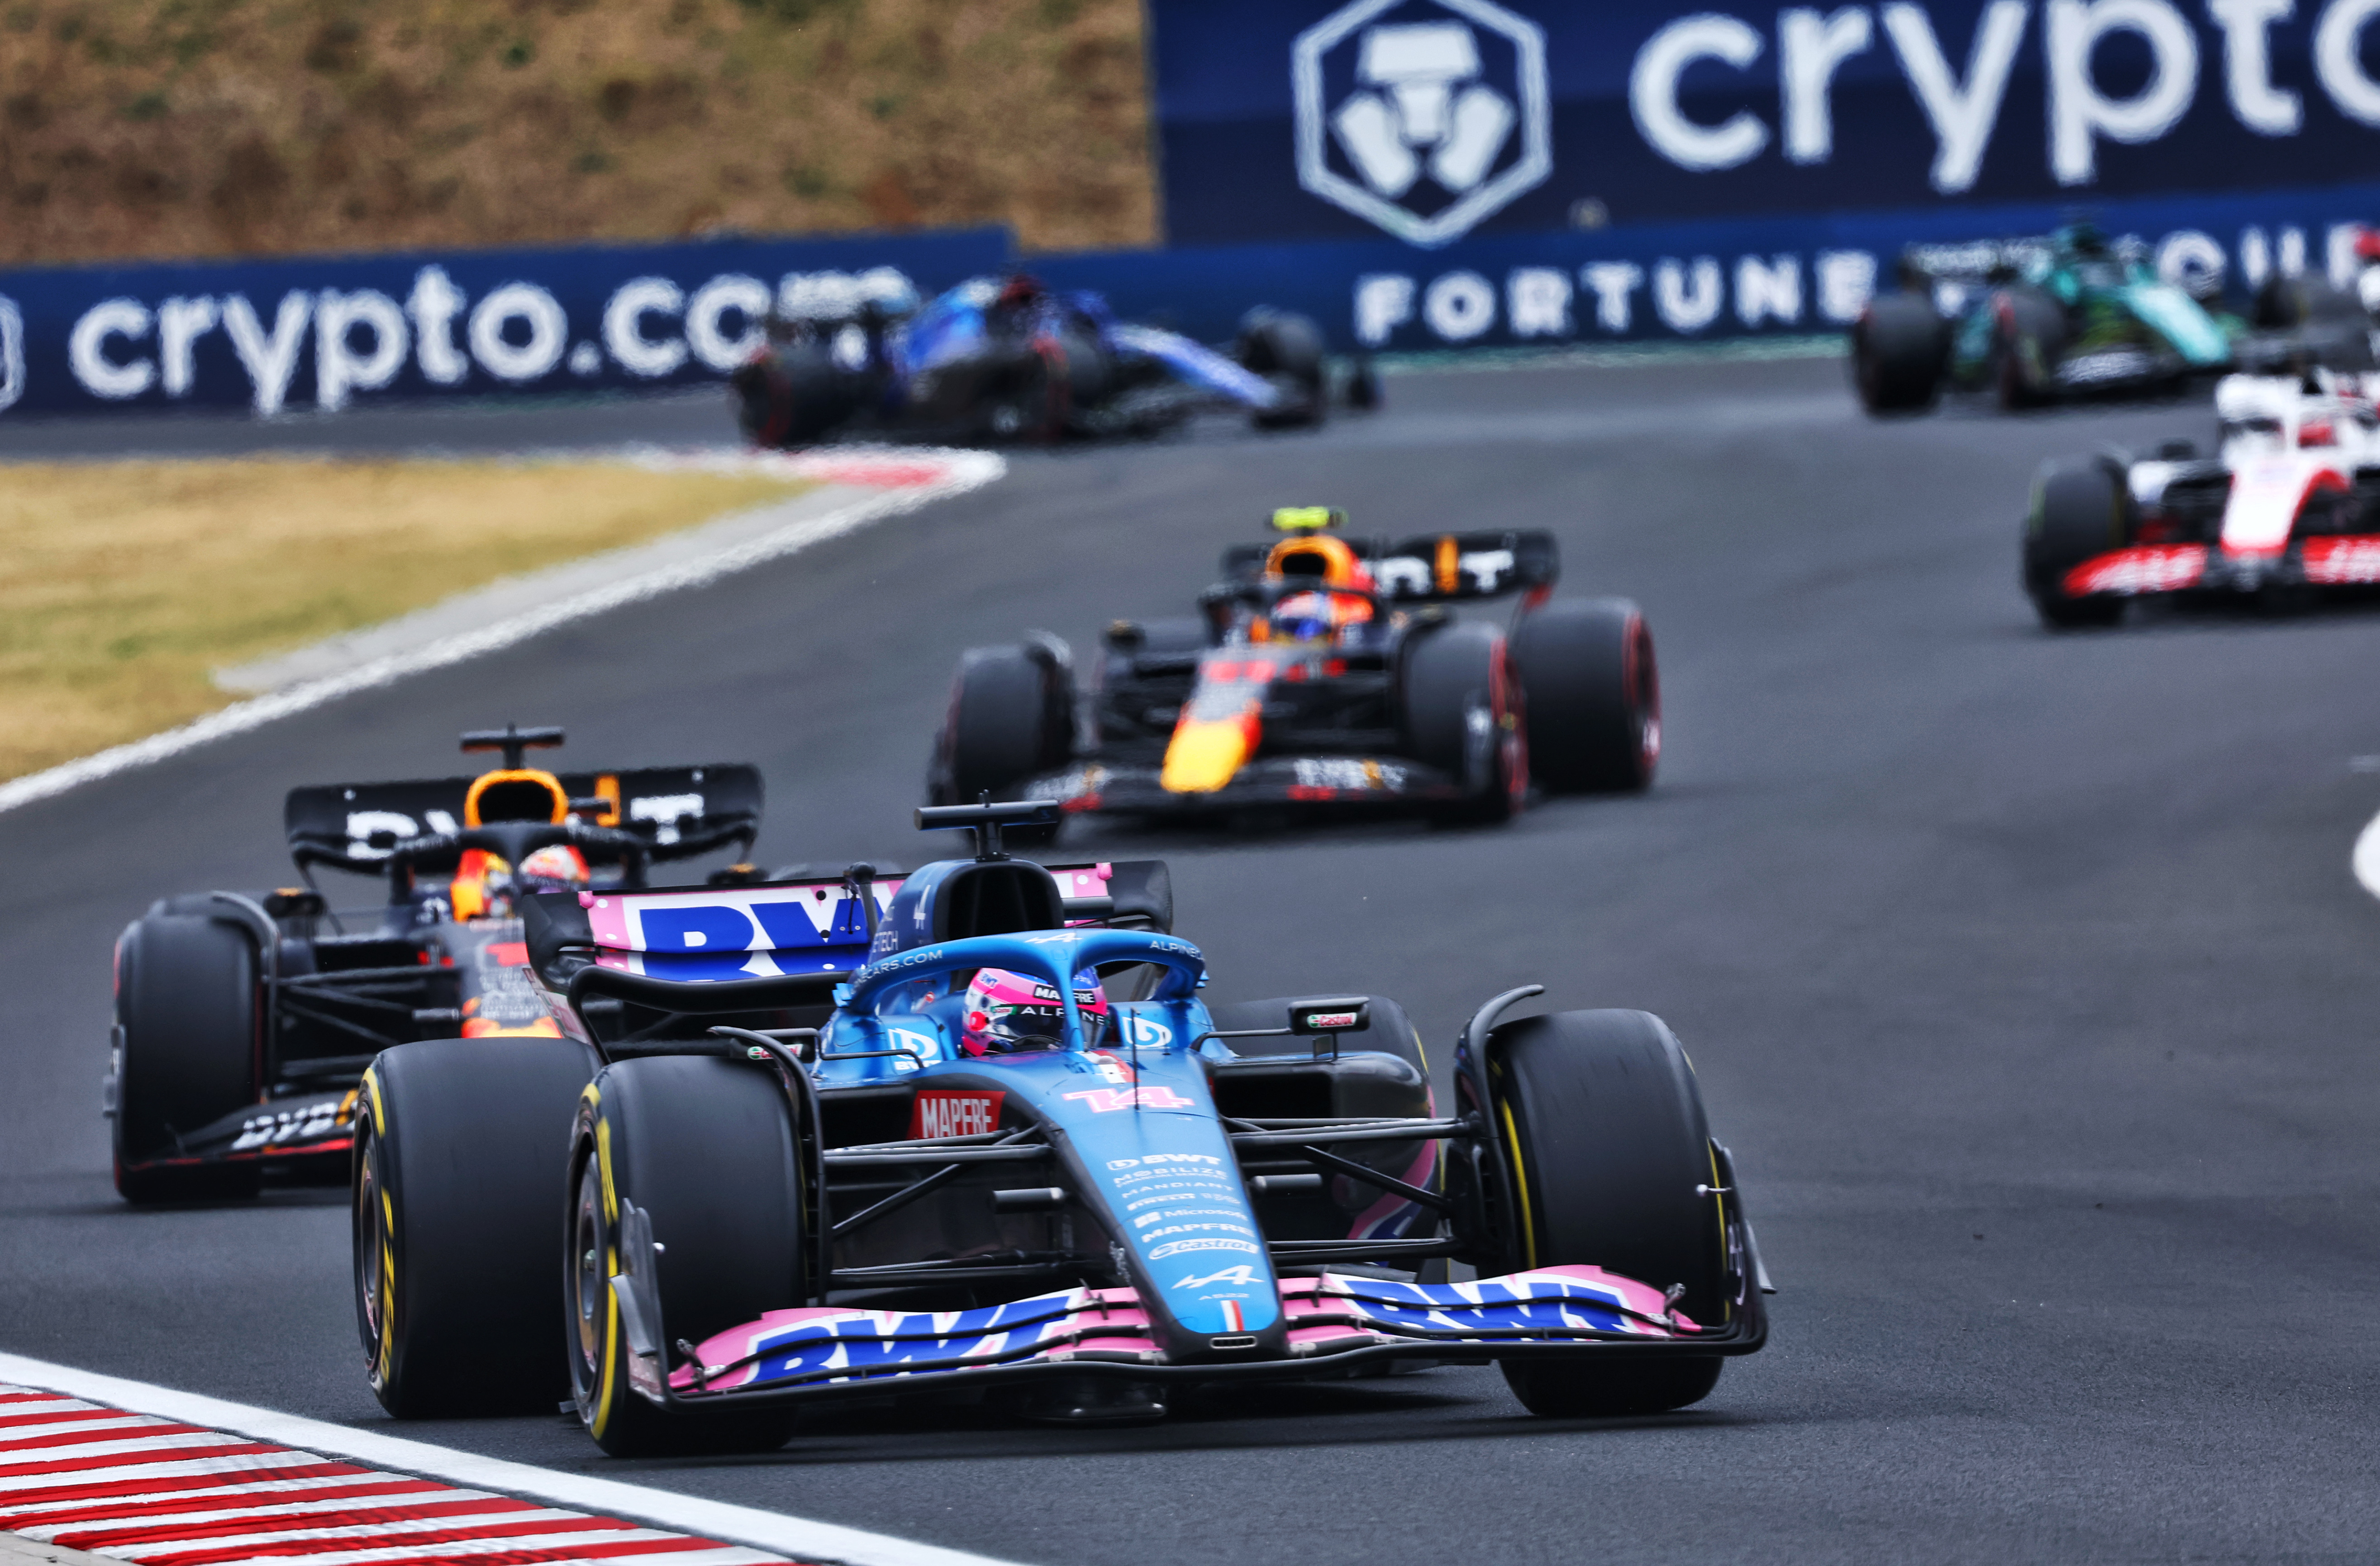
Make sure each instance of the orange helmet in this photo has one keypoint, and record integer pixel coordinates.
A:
(1318, 554)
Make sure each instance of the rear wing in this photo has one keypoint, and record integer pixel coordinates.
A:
(1438, 567)
(1975, 260)
(793, 940)
(678, 812)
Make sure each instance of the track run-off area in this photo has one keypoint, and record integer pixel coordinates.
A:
(2027, 976)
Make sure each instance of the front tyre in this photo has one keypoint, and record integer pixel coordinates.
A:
(460, 1147)
(1011, 717)
(1591, 691)
(2080, 511)
(705, 1147)
(1613, 1167)
(1286, 349)
(187, 1005)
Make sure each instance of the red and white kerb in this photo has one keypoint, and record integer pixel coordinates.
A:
(84, 1476)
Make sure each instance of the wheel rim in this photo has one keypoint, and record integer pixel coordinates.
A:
(590, 1281)
(1645, 695)
(375, 1261)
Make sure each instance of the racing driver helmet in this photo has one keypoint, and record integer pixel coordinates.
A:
(1316, 616)
(1009, 1012)
(555, 868)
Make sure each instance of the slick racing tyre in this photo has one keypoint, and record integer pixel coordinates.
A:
(792, 396)
(1613, 1166)
(1011, 716)
(2028, 340)
(1898, 348)
(186, 1003)
(460, 1149)
(2080, 510)
(1591, 696)
(1457, 708)
(1285, 350)
(705, 1149)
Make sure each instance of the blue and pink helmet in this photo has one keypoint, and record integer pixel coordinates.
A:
(1008, 1012)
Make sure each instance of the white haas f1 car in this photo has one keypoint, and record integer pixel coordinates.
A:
(2288, 503)
(809, 1153)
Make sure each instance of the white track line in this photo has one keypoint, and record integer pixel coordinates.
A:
(799, 1537)
(965, 470)
(2367, 856)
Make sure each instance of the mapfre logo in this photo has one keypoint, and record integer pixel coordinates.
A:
(1426, 123)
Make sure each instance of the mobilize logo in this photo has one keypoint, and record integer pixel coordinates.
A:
(1423, 126)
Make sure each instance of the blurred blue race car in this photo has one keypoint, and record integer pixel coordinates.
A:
(980, 1131)
(1012, 360)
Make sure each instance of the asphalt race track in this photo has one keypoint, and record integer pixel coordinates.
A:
(2025, 974)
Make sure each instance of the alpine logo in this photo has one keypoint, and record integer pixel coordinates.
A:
(940, 1114)
(1243, 1276)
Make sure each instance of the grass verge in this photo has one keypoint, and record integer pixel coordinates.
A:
(123, 586)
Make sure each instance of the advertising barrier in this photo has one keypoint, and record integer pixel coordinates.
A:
(285, 335)
(1428, 120)
(1684, 282)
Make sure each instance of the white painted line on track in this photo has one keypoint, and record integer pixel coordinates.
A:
(800, 1539)
(962, 472)
(2367, 856)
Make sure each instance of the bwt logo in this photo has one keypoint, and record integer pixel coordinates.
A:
(1423, 126)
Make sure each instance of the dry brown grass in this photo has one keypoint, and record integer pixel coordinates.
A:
(123, 586)
(196, 127)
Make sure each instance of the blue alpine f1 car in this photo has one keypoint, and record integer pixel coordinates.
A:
(1011, 361)
(784, 1155)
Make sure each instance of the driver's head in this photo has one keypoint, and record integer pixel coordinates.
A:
(555, 868)
(1009, 1012)
(1316, 616)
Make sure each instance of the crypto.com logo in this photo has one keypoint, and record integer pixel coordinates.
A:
(1427, 117)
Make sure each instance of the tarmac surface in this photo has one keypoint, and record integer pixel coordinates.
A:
(2024, 974)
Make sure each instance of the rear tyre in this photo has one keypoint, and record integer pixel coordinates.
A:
(186, 1000)
(1899, 346)
(1605, 1131)
(460, 1149)
(1458, 699)
(1287, 350)
(792, 396)
(2080, 511)
(705, 1146)
(1591, 693)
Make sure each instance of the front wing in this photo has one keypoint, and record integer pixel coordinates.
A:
(2346, 560)
(1336, 1322)
(1135, 789)
(300, 1127)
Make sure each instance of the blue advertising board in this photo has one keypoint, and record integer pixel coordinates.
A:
(1687, 281)
(1428, 120)
(318, 333)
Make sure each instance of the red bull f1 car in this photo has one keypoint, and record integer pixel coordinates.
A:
(979, 1130)
(244, 1021)
(1324, 670)
(2288, 504)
